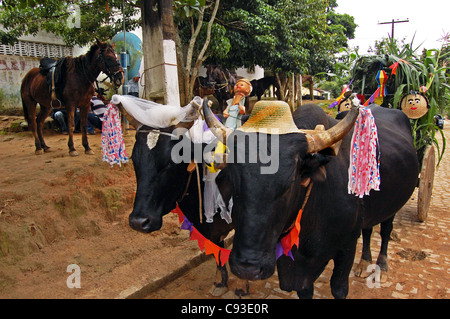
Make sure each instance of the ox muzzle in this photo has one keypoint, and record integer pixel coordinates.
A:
(145, 224)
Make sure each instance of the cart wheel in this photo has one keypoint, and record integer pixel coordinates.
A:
(426, 183)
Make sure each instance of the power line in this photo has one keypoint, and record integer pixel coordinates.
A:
(393, 22)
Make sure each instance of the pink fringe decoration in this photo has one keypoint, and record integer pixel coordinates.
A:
(364, 169)
(113, 145)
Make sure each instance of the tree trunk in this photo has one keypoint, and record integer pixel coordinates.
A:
(189, 67)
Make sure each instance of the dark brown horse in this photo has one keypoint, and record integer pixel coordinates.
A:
(80, 74)
(201, 87)
(261, 85)
(223, 81)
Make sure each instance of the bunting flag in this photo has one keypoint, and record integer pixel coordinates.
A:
(395, 65)
(220, 254)
(339, 99)
(113, 145)
(284, 246)
(364, 168)
(286, 243)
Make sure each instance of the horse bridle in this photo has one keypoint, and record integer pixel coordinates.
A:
(108, 65)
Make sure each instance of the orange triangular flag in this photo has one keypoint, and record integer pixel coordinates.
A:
(195, 235)
(224, 255)
(211, 248)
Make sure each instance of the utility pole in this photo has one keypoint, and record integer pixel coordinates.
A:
(393, 22)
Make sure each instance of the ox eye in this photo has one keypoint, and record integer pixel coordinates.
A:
(152, 139)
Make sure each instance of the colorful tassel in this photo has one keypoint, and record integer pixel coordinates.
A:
(364, 168)
(113, 145)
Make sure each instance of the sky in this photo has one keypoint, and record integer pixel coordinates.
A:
(428, 19)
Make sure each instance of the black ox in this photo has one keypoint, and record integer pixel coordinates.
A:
(265, 206)
(162, 184)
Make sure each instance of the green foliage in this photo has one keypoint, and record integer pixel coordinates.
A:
(280, 35)
(187, 8)
(98, 18)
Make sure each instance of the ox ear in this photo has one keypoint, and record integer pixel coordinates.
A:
(313, 169)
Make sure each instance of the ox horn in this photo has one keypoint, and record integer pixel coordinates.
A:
(135, 123)
(319, 140)
(217, 128)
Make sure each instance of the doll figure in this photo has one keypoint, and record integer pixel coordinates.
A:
(235, 109)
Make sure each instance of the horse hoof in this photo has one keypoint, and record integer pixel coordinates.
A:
(73, 153)
(89, 152)
(39, 152)
(47, 150)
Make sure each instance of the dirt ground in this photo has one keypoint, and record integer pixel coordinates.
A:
(57, 210)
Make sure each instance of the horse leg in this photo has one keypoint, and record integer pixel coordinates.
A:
(29, 108)
(366, 257)
(84, 112)
(71, 127)
(385, 233)
(43, 114)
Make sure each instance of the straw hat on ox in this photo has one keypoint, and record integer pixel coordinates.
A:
(414, 105)
(275, 117)
(272, 117)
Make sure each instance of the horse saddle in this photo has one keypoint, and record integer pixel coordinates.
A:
(55, 72)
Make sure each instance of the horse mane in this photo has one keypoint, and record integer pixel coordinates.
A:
(78, 61)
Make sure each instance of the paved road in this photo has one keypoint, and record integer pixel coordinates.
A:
(419, 258)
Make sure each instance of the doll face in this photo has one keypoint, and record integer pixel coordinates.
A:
(414, 105)
(242, 87)
(345, 106)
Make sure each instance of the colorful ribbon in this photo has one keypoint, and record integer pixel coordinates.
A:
(339, 99)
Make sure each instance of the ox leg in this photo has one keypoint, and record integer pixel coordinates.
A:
(306, 292)
(242, 288)
(385, 233)
(343, 263)
(84, 112)
(366, 257)
(221, 283)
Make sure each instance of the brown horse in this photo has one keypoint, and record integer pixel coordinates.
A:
(80, 74)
